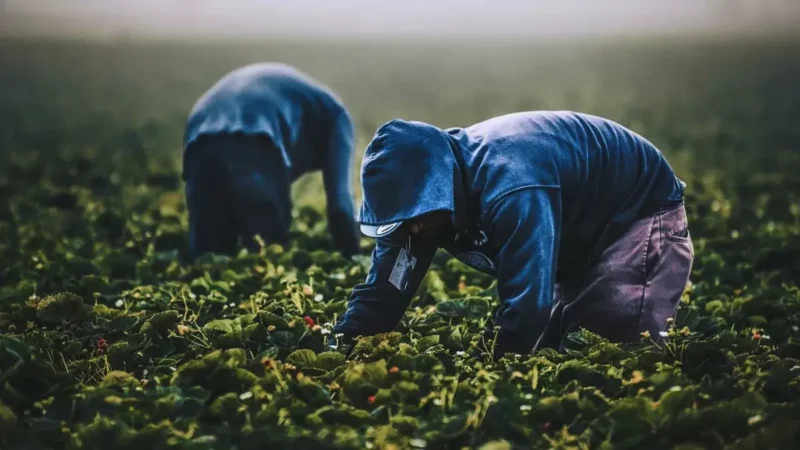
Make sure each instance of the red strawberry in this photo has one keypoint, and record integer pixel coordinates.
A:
(102, 345)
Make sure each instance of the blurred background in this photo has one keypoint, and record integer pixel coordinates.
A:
(367, 19)
(113, 81)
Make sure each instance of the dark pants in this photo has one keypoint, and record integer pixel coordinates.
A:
(633, 285)
(237, 186)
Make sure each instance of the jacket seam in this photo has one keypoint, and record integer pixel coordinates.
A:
(490, 207)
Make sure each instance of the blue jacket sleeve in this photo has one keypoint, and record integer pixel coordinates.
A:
(525, 225)
(377, 305)
(336, 174)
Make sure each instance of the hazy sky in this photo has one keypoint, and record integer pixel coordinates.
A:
(421, 18)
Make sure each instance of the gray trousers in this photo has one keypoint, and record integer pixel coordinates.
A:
(633, 284)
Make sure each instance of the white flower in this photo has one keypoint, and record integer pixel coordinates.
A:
(528, 396)
(119, 303)
(754, 420)
(338, 276)
(245, 395)
(418, 443)
(192, 295)
(318, 298)
(525, 407)
(675, 388)
(437, 402)
(663, 333)
(460, 353)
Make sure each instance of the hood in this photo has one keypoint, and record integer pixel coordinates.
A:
(409, 169)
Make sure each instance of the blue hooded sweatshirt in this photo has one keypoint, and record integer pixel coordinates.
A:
(528, 194)
(302, 118)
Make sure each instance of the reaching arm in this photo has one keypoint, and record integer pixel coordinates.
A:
(377, 305)
(336, 174)
(526, 228)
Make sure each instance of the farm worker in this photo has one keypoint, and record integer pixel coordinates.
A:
(247, 139)
(524, 197)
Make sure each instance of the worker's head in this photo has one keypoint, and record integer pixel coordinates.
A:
(409, 177)
(428, 224)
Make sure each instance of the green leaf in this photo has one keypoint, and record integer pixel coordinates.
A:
(283, 339)
(61, 308)
(374, 372)
(8, 420)
(14, 348)
(302, 358)
(120, 379)
(161, 323)
(496, 445)
(268, 318)
(224, 326)
(427, 342)
(452, 308)
(330, 360)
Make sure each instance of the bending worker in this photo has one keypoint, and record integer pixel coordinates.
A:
(247, 139)
(523, 197)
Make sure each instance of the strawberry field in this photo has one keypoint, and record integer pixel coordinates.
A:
(110, 339)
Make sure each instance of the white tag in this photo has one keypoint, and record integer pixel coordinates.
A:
(402, 270)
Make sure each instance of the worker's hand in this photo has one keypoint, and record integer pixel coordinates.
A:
(341, 343)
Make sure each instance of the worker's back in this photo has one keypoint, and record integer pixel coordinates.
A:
(275, 100)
